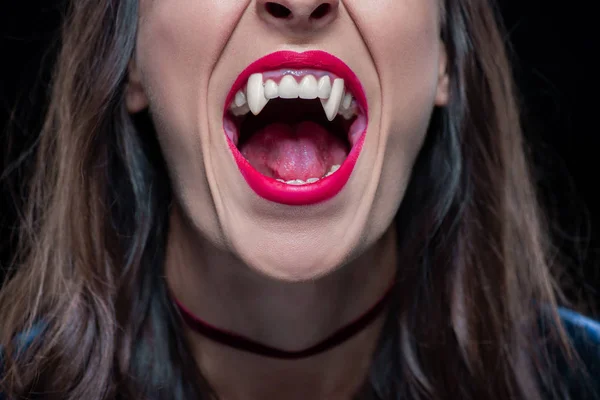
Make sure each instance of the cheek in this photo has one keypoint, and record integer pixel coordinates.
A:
(178, 44)
(403, 37)
(404, 40)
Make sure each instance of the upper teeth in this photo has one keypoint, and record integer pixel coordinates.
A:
(258, 93)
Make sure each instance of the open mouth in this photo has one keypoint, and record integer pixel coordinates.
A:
(296, 132)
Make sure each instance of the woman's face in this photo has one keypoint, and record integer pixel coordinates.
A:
(206, 67)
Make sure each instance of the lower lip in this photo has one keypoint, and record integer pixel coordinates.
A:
(326, 188)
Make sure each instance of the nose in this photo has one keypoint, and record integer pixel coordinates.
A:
(298, 16)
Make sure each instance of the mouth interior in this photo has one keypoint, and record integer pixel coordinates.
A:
(292, 139)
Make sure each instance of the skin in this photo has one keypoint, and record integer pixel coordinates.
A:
(284, 276)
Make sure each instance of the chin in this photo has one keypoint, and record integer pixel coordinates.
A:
(294, 258)
(294, 268)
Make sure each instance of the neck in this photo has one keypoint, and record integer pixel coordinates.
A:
(224, 292)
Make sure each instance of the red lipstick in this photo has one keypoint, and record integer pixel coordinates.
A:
(328, 187)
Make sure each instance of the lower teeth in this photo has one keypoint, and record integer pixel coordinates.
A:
(299, 182)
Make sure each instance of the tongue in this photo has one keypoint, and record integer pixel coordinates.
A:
(288, 152)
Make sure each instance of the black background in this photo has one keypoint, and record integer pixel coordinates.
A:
(554, 43)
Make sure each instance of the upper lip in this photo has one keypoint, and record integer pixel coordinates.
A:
(313, 59)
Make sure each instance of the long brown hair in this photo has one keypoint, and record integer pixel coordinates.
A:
(475, 282)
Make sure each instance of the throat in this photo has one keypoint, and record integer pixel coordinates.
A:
(303, 151)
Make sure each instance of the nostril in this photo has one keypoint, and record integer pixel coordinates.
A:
(321, 11)
(277, 10)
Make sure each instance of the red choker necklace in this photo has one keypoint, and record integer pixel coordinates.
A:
(246, 344)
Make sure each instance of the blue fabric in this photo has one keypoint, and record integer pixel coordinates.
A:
(579, 324)
(584, 333)
(24, 340)
(585, 336)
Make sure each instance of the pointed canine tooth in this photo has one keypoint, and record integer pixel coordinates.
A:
(312, 180)
(332, 105)
(243, 110)
(347, 101)
(240, 99)
(324, 87)
(288, 88)
(271, 90)
(309, 87)
(255, 94)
